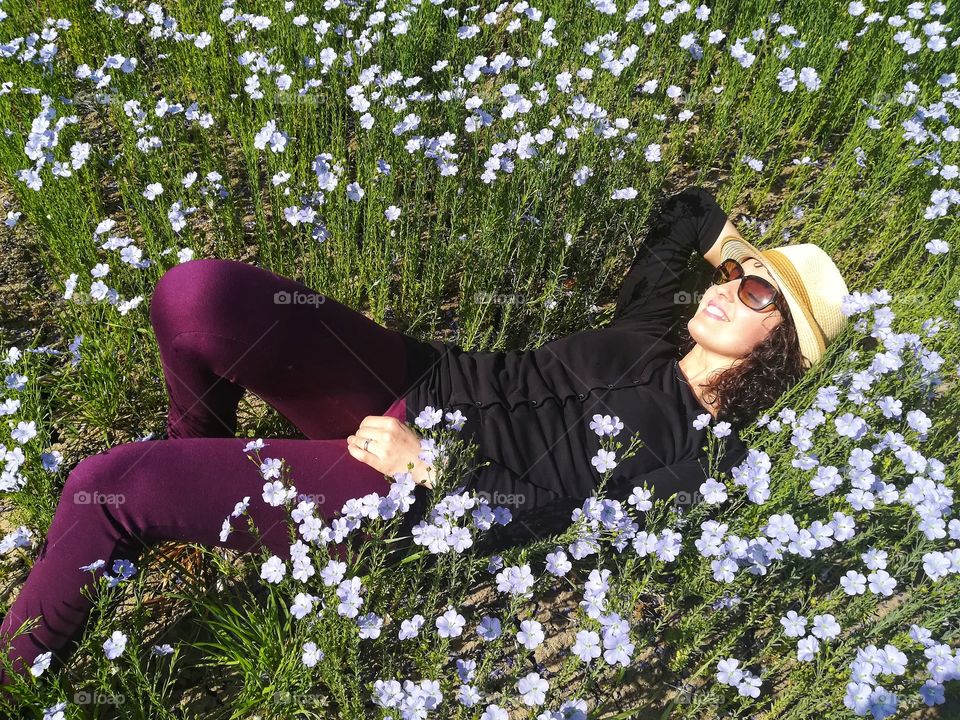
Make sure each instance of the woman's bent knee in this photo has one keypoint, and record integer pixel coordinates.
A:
(186, 290)
(107, 483)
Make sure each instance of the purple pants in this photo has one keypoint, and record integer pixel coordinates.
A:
(222, 326)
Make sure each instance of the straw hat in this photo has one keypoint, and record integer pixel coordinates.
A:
(811, 285)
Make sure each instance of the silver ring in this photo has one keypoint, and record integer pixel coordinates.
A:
(365, 443)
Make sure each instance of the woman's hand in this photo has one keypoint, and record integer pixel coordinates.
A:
(393, 445)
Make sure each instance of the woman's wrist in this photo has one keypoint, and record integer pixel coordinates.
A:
(421, 473)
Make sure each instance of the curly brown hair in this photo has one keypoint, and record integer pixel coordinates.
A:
(742, 392)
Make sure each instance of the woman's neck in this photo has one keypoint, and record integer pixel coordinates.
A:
(695, 368)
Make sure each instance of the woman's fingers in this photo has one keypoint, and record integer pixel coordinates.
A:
(382, 423)
(376, 434)
(356, 449)
(369, 457)
(379, 429)
(374, 447)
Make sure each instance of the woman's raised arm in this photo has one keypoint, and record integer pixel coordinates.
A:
(712, 255)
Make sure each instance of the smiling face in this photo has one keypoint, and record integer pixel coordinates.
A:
(743, 328)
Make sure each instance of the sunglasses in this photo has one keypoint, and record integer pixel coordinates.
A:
(754, 291)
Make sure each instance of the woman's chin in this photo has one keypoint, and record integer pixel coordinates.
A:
(702, 328)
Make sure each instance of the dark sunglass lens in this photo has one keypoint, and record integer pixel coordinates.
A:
(757, 293)
(727, 270)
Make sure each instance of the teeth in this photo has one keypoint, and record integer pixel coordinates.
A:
(716, 313)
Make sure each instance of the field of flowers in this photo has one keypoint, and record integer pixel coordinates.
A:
(481, 174)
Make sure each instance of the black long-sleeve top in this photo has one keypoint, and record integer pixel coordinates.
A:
(529, 411)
